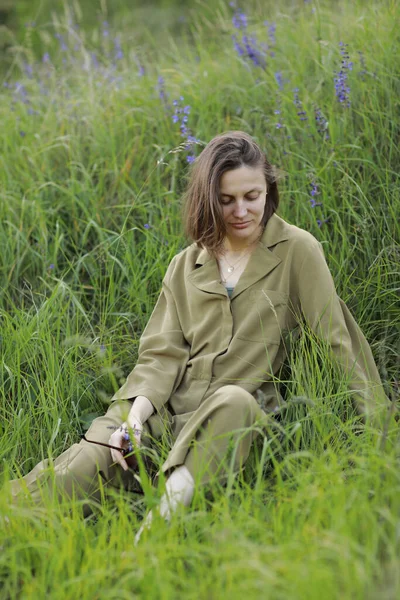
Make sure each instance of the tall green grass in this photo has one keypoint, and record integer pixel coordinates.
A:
(92, 172)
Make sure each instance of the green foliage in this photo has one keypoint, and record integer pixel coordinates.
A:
(92, 172)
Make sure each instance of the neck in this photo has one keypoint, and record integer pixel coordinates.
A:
(234, 245)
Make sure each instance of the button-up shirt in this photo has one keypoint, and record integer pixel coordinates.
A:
(198, 339)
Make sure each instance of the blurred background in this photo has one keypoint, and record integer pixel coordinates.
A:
(30, 21)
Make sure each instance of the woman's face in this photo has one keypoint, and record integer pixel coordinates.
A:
(243, 195)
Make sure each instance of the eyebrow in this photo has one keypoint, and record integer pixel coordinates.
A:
(257, 189)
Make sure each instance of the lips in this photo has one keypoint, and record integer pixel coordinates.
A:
(240, 225)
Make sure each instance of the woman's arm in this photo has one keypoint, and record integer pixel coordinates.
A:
(163, 354)
(141, 410)
(331, 320)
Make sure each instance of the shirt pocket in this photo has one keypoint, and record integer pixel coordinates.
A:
(265, 317)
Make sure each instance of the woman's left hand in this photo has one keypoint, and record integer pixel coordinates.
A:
(122, 438)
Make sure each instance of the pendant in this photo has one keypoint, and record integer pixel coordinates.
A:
(230, 269)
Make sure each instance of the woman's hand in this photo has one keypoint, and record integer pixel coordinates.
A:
(126, 438)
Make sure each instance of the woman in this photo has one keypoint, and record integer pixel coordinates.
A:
(215, 339)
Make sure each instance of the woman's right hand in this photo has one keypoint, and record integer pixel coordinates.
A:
(126, 438)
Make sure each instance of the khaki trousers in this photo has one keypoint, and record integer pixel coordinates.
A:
(221, 443)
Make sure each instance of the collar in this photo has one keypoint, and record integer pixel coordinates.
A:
(262, 261)
(276, 230)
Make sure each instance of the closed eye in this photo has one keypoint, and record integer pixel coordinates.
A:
(228, 199)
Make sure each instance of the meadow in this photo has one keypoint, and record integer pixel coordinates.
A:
(101, 120)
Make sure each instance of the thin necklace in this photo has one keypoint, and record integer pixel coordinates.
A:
(231, 268)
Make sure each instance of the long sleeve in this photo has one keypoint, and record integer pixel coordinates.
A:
(163, 353)
(331, 320)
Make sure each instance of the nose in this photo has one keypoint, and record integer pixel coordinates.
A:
(240, 209)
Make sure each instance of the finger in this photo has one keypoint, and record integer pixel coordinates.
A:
(118, 458)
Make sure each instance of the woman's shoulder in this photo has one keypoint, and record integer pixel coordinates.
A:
(184, 262)
(280, 230)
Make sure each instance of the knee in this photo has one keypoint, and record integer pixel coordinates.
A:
(239, 401)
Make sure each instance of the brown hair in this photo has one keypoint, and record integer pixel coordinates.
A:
(202, 207)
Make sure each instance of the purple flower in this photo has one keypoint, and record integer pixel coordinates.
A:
(238, 47)
(180, 116)
(161, 89)
(279, 79)
(299, 105)
(314, 192)
(51, 267)
(190, 158)
(239, 20)
(46, 58)
(271, 32)
(95, 60)
(342, 89)
(247, 47)
(28, 70)
(22, 133)
(118, 53)
(146, 226)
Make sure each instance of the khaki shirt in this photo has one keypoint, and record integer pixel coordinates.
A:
(197, 339)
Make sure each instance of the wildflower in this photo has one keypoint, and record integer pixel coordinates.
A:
(95, 60)
(22, 133)
(106, 31)
(146, 226)
(28, 70)
(299, 105)
(181, 116)
(271, 32)
(161, 89)
(247, 47)
(51, 267)
(320, 222)
(239, 20)
(46, 58)
(190, 158)
(238, 47)
(118, 49)
(278, 111)
(314, 192)
(279, 79)
(253, 52)
(342, 89)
